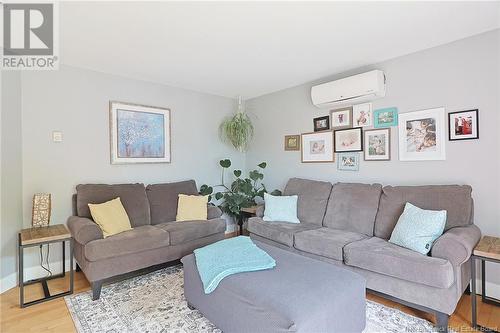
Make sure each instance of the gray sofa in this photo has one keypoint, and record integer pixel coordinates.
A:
(155, 238)
(349, 225)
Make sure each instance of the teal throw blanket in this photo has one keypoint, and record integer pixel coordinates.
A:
(227, 257)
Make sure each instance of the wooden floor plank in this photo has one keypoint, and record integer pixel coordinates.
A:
(53, 316)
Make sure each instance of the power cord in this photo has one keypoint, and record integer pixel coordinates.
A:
(47, 269)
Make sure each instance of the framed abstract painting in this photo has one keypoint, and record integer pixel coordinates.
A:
(422, 135)
(139, 133)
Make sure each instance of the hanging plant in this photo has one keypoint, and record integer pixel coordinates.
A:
(237, 129)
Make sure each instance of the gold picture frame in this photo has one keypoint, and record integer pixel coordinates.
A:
(292, 142)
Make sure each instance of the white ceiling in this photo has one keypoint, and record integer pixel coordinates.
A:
(254, 48)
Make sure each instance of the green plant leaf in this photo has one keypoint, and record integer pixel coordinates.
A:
(205, 190)
(237, 173)
(225, 163)
(254, 175)
(218, 195)
(262, 165)
(209, 198)
(276, 193)
(238, 130)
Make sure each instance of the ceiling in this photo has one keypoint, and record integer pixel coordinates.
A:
(255, 48)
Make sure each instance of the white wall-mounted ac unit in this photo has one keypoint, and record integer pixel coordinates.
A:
(350, 90)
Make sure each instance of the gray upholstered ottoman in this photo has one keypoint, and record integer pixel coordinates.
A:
(299, 295)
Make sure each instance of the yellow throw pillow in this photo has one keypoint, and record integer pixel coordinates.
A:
(111, 217)
(192, 207)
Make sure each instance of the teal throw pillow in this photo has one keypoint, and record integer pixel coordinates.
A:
(280, 208)
(417, 228)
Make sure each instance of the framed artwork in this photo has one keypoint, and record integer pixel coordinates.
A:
(321, 123)
(348, 161)
(362, 115)
(139, 133)
(292, 142)
(422, 135)
(317, 147)
(349, 140)
(385, 117)
(463, 125)
(377, 144)
(341, 118)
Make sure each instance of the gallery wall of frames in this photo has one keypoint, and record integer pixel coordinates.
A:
(346, 134)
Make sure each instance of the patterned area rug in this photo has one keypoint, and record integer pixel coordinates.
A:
(155, 303)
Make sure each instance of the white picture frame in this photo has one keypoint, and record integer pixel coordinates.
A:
(422, 135)
(139, 133)
(317, 147)
(362, 115)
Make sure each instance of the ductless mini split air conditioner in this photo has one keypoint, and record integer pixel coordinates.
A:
(350, 90)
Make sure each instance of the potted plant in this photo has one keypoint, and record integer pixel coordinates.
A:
(237, 129)
(241, 193)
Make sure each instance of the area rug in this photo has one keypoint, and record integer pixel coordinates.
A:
(155, 303)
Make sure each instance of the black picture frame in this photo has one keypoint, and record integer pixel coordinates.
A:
(319, 119)
(451, 125)
(337, 132)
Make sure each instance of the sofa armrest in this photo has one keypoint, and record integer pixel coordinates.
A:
(456, 245)
(213, 212)
(260, 211)
(84, 230)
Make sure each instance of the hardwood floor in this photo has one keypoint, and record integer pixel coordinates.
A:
(53, 316)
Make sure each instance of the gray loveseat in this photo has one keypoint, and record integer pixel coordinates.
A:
(349, 225)
(155, 238)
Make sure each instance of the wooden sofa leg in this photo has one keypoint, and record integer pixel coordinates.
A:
(78, 268)
(96, 290)
(442, 322)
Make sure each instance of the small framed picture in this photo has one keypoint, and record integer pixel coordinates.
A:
(362, 115)
(463, 125)
(349, 140)
(385, 117)
(317, 147)
(341, 118)
(321, 123)
(422, 135)
(377, 144)
(292, 142)
(348, 161)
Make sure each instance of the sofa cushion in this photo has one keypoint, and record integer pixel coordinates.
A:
(353, 207)
(380, 256)
(132, 196)
(455, 199)
(325, 242)
(163, 199)
(313, 198)
(281, 232)
(139, 239)
(185, 231)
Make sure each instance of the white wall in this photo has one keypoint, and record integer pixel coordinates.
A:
(75, 101)
(459, 76)
(11, 172)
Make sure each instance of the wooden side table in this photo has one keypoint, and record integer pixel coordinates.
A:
(488, 249)
(37, 237)
(246, 213)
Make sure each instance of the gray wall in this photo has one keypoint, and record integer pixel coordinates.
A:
(75, 101)
(11, 171)
(459, 76)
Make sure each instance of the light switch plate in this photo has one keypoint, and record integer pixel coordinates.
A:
(57, 136)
